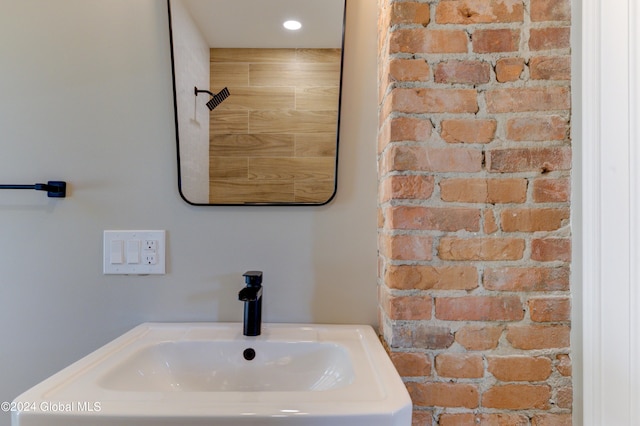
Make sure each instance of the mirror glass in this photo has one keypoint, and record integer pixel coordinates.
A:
(257, 105)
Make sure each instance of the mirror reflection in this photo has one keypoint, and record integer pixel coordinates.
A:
(257, 104)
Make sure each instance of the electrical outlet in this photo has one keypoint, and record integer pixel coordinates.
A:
(134, 252)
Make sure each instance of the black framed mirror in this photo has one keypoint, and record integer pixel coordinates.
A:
(257, 105)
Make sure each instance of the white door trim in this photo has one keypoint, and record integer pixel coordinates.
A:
(610, 209)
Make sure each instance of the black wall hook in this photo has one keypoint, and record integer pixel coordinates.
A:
(54, 188)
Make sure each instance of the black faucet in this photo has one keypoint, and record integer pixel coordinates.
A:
(251, 295)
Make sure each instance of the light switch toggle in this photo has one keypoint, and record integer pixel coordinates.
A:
(115, 252)
(133, 252)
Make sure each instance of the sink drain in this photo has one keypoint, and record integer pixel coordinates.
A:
(249, 354)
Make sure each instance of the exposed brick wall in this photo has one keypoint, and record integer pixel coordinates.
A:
(474, 207)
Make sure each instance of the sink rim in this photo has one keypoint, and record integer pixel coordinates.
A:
(376, 389)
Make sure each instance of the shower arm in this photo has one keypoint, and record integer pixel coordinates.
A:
(196, 91)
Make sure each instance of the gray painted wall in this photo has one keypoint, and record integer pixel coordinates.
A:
(85, 96)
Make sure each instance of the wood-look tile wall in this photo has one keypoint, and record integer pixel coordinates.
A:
(274, 138)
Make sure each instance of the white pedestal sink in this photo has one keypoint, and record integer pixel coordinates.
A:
(192, 374)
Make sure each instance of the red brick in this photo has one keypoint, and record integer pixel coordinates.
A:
(384, 28)
(385, 110)
(468, 131)
(426, 277)
(541, 160)
(500, 40)
(443, 394)
(564, 365)
(478, 11)
(384, 79)
(551, 190)
(550, 68)
(509, 69)
(538, 116)
(549, 38)
(469, 419)
(551, 420)
(409, 13)
(479, 337)
(384, 133)
(421, 158)
(409, 129)
(549, 128)
(411, 364)
(461, 366)
(530, 337)
(384, 24)
(551, 249)
(532, 220)
(520, 368)
(421, 335)
(523, 279)
(523, 99)
(479, 308)
(406, 308)
(517, 397)
(564, 397)
(431, 337)
(409, 70)
(490, 225)
(406, 247)
(480, 190)
(550, 10)
(419, 100)
(433, 218)
(550, 309)
(463, 72)
(399, 187)
(421, 418)
(422, 40)
(384, 136)
(454, 248)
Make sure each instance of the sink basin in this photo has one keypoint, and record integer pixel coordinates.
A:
(210, 374)
(219, 366)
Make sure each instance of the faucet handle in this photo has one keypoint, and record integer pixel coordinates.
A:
(253, 278)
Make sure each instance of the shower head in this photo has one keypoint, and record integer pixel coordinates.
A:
(215, 99)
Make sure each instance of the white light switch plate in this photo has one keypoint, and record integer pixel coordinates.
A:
(134, 252)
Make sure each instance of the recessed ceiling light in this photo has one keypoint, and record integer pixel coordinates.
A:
(292, 25)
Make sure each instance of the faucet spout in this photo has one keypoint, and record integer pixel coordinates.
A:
(251, 295)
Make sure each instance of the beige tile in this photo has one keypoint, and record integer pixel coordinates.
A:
(224, 122)
(228, 168)
(291, 121)
(314, 168)
(239, 192)
(252, 55)
(316, 145)
(317, 98)
(228, 75)
(264, 145)
(314, 191)
(259, 98)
